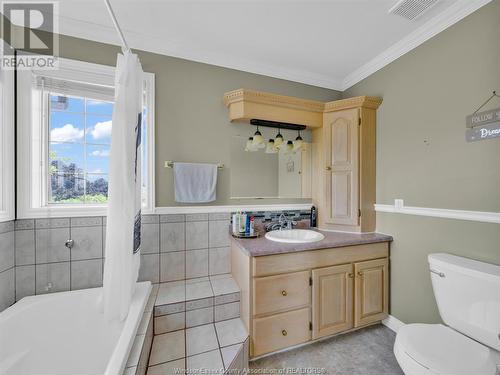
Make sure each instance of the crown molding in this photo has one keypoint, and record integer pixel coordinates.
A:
(434, 26)
(371, 102)
(262, 97)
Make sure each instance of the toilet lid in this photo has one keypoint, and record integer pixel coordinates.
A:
(445, 351)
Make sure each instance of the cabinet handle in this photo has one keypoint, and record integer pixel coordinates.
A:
(351, 275)
(284, 332)
(360, 273)
(284, 293)
(328, 168)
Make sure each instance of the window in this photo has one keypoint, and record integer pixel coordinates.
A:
(6, 144)
(65, 123)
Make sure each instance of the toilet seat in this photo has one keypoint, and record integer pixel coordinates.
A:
(425, 349)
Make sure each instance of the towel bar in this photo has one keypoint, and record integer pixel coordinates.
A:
(170, 164)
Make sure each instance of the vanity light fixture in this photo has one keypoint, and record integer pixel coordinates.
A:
(258, 139)
(270, 148)
(250, 146)
(278, 140)
(289, 148)
(298, 143)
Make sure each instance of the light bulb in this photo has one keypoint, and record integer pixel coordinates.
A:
(270, 149)
(278, 141)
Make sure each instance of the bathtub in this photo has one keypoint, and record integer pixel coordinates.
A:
(66, 334)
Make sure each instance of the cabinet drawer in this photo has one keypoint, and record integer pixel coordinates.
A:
(280, 331)
(281, 292)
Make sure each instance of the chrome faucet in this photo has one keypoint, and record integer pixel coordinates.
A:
(283, 223)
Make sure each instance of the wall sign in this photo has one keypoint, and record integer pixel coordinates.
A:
(483, 125)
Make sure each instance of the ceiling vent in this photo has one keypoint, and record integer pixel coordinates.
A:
(412, 9)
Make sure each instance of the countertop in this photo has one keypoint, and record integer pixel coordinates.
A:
(261, 246)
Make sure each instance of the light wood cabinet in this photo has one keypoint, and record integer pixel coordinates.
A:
(332, 303)
(344, 160)
(371, 291)
(288, 299)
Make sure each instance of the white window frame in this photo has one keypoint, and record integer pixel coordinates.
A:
(32, 141)
(7, 199)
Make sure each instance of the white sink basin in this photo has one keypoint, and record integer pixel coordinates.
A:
(294, 236)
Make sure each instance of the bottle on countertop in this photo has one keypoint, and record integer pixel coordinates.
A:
(252, 227)
(243, 223)
(313, 217)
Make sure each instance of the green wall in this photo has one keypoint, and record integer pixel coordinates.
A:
(423, 158)
(191, 119)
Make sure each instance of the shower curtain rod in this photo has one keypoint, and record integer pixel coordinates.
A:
(125, 46)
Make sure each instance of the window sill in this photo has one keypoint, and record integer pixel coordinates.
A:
(61, 211)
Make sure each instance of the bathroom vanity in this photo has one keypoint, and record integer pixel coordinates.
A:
(295, 293)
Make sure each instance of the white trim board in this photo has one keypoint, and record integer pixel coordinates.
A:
(393, 323)
(480, 216)
(232, 208)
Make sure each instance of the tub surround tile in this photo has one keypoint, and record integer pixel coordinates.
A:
(57, 274)
(210, 361)
(7, 251)
(150, 305)
(25, 281)
(201, 339)
(170, 309)
(168, 368)
(143, 325)
(86, 274)
(86, 221)
(150, 219)
(231, 332)
(49, 245)
(224, 286)
(88, 243)
(196, 217)
(219, 216)
(23, 224)
(150, 268)
(170, 323)
(229, 354)
(199, 317)
(227, 298)
(199, 303)
(218, 233)
(52, 223)
(167, 347)
(172, 292)
(198, 290)
(6, 226)
(172, 237)
(196, 263)
(150, 238)
(25, 247)
(172, 218)
(227, 311)
(173, 266)
(7, 288)
(219, 260)
(197, 235)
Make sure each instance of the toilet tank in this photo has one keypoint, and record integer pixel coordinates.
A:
(467, 293)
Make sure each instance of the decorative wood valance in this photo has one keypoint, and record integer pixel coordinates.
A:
(245, 104)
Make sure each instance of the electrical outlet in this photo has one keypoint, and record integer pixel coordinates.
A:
(399, 204)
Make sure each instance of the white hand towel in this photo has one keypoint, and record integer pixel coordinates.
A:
(195, 182)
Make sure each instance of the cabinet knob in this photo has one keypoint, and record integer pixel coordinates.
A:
(284, 293)
(284, 332)
(360, 273)
(350, 275)
(328, 168)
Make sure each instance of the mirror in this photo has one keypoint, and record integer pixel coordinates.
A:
(280, 175)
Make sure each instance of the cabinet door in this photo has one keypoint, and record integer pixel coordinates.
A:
(342, 158)
(371, 291)
(332, 300)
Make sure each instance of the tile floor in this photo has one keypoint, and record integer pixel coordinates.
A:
(210, 346)
(364, 352)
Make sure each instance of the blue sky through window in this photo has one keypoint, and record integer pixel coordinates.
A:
(79, 143)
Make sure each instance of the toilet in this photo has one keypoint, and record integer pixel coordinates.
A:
(467, 293)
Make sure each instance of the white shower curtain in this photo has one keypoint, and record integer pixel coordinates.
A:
(123, 232)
